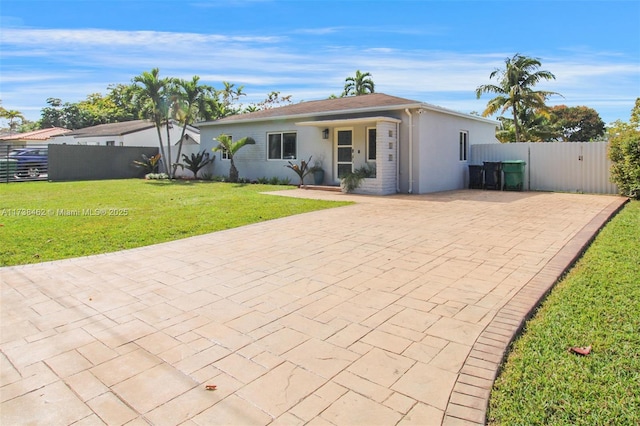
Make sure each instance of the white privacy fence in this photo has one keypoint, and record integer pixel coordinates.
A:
(555, 166)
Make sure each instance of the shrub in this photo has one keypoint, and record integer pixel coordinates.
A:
(153, 176)
(353, 180)
(149, 164)
(624, 152)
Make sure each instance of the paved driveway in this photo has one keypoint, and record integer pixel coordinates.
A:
(395, 310)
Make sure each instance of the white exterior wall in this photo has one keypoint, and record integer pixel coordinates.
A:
(251, 160)
(436, 164)
(146, 137)
(386, 162)
(436, 157)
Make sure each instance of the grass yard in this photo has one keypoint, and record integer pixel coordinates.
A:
(597, 304)
(43, 221)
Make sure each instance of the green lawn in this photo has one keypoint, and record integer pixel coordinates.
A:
(43, 221)
(597, 304)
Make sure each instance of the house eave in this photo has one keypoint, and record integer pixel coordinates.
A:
(347, 121)
(312, 114)
(442, 110)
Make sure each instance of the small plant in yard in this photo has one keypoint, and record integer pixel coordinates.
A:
(353, 180)
(301, 170)
(149, 164)
(230, 147)
(156, 176)
(196, 162)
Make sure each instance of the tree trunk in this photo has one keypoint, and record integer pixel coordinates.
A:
(162, 156)
(233, 172)
(169, 161)
(515, 123)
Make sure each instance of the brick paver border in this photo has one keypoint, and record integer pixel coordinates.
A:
(469, 399)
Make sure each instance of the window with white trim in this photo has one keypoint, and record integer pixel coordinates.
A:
(464, 145)
(371, 144)
(110, 143)
(224, 154)
(282, 146)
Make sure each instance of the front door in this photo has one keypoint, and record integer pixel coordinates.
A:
(344, 152)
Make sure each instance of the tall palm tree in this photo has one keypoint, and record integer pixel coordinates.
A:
(361, 84)
(190, 105)
(515, 88)
(152, 92)
(231, 148)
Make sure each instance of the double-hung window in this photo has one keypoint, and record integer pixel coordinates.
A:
(464, 145)
(282, 146)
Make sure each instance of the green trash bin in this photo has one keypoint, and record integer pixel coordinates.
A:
(513, 175)
(8, 168)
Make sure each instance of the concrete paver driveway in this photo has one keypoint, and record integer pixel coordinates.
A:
(395, 310)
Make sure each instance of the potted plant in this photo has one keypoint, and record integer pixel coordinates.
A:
(318, 172)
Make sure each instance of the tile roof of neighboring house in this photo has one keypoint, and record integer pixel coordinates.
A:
(36, 135)
(117, 129)
(347, 105)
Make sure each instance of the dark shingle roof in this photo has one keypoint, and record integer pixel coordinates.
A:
(113, 129)
(322, 107)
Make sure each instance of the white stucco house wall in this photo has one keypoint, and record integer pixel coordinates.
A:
(415, 147)
(128, 133)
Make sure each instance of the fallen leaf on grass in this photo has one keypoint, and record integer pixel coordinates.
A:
(580, 350)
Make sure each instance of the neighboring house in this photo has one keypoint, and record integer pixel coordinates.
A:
(128, 133)
(36, 137)
(415, 147)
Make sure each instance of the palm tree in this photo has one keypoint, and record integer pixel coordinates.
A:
(231, 148)
(191, 105)
(12, 115)
(152, 93)
(361, 84)
(515, 88)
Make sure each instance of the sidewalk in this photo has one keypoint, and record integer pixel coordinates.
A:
(394, 310)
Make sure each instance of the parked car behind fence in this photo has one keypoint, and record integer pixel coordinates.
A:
(24, 164)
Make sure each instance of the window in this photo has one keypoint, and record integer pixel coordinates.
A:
(224, 154)
(282, 146)
(371, 144)
(464, 145)
(110, 143)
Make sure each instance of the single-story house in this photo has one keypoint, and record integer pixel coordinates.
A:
(414, 147)
(35, 137)
(128, 133)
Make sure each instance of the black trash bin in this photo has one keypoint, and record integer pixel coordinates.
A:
(475, 177)
(493, 175)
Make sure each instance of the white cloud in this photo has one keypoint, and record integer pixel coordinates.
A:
(93, 59)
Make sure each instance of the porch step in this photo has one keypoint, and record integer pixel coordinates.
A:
(322, 188)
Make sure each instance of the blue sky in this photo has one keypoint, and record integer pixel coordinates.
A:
(431, 51)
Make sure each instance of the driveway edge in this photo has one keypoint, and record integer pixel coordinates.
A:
(469, 398)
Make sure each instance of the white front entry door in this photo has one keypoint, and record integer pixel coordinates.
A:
(343, 152)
